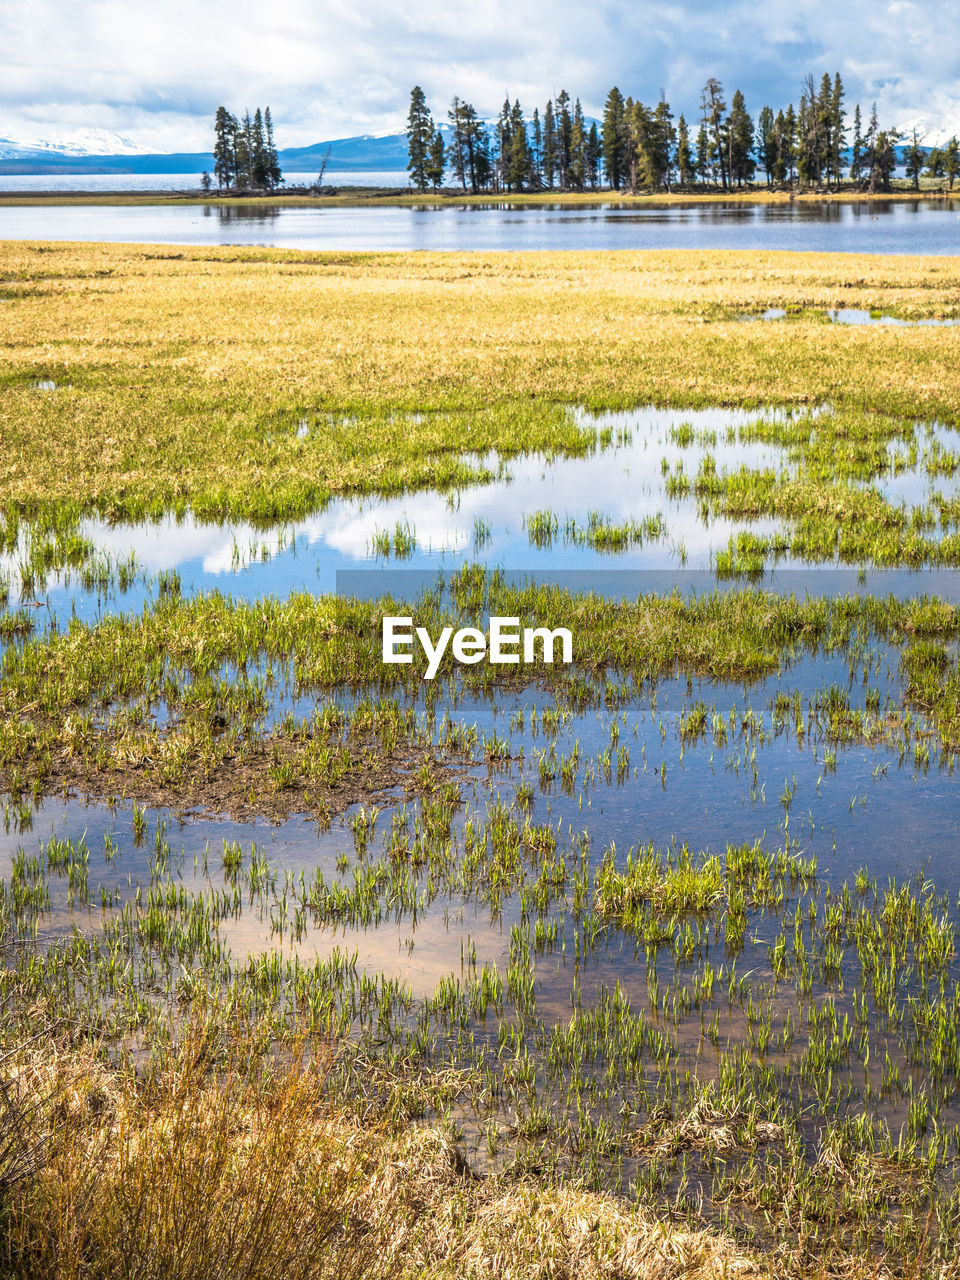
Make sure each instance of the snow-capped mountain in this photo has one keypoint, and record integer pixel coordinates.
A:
(75, 144)
(930, 132)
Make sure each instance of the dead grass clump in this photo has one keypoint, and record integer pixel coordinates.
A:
(188, 1173)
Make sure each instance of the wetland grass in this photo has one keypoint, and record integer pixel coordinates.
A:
(681, 1058)
(486, 349)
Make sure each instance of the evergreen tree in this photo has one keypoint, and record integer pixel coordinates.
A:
(790, 139)
(504, 137)
(915, 159)
(224, 147)
(951, 160)
(781, 144)
(767, 142)
(805, 144)
(243, 152)
(740, 164)
(871, 148)
(536, 153)
(549, 145)
(702, 163)
(838, 131)
(665, 135)
(564, 126)
(576, 165)
(824, 129)
(856, 148)
(436, 161)
(713, 107)
(205, 182)
(683, 158)
(935, 167)
(258, 152)
(594, 151)
(419, 137)
(479, 141)
(459, 141)
(614, 160)
(519, 166)
(274, 176)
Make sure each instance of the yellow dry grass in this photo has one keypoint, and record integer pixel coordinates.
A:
(181, 375)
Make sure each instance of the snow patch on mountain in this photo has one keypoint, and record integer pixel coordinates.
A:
(75, 143)
(930, 132)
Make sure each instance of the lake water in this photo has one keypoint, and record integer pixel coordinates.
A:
(125, 182)
(884, 227)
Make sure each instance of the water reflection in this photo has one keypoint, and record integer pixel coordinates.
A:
(249, 214)
(876, 226)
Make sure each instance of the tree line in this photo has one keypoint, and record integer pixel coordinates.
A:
(244, 155)
(640, 147)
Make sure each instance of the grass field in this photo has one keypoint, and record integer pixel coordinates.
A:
(640, 1041)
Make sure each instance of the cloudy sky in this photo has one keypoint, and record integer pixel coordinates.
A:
(155, 70)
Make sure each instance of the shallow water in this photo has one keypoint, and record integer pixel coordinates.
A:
(624, 480)
(858, 316)
(911, 226)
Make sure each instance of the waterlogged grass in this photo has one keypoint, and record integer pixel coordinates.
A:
(677, 1057)
(175, 702)
(739, 1044)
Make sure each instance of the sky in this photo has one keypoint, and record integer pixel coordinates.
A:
(156, 71)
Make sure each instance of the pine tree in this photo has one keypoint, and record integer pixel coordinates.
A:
(664, 137)
(713, 107)
(576, 164)
(740, 164)
(781, 144)
(504, 137)
(790, 139)
(613, 138)
(536, 157)
(702, 163)
(458, 141)
(549, 145)
(915, 159)
(951, 160)
(419, 136)
(518, 158)
(683, 158)
(258, 152)
(805, 141)
(856, 150)
(224, 147)
(243, 152)
(872, 148)
(564, 126)
(838, 130)
(274, 176)
(824, 115)
(594, 152)
(767, 142)
(435, 164)
(935, 167)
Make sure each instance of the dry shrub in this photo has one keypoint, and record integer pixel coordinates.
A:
(195, 1174)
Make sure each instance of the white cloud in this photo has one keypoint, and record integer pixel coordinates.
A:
(157, 72)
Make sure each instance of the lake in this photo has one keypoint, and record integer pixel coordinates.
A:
(883, 227)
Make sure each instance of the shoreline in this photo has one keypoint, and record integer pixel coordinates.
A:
(346, 197)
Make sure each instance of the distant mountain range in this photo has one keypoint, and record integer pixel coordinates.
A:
(364, 153)
(99, 151)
